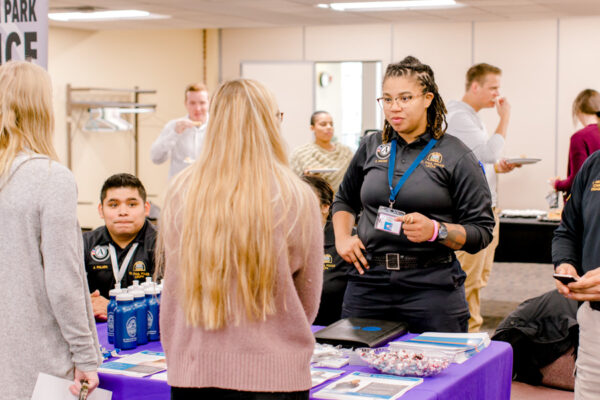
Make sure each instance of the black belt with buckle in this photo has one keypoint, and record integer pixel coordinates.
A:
(400, 262)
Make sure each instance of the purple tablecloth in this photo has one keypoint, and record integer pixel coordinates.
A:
(485, 376)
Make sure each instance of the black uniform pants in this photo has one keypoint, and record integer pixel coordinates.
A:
(434, 308)
(332, 298)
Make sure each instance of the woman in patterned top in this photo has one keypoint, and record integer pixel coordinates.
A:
(323, 153)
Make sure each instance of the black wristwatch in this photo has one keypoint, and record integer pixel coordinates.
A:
(442, 233)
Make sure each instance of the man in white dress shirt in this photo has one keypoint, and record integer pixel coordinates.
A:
(464, 122)
(181, 138)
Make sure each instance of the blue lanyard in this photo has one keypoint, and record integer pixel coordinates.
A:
(482, 168)
(392, 165)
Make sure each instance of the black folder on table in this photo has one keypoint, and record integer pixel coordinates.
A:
(361, 332)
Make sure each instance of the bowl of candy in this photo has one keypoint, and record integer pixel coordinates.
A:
(405, 362)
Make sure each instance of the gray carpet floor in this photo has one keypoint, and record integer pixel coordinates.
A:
(509, 285)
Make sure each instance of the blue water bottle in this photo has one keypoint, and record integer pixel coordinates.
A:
(110, 312)
(125, 323)
(153, 313)
(141, 311)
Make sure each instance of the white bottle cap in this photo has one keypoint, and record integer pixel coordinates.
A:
(124, 297)
(151, 290)
(115, 291)
(148, 279)
(136, 282)
(133, 287)
(137, 294)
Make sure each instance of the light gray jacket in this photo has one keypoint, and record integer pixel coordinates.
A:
(46, 319)
(466, 124)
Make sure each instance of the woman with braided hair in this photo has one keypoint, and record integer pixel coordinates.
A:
(422, 195)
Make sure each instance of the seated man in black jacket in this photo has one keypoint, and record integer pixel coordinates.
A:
(576, 252)
(123, 249)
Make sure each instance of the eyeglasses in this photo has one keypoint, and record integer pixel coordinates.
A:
(279, 115)
(402, 101)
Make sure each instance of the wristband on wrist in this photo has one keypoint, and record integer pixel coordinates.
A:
(436, 228)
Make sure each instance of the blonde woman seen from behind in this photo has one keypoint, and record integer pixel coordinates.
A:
(243, 253)
(48, 323)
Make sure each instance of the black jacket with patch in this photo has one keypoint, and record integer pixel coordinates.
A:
(449, 186)
(97, 258)
(540, 330)
(577, 239)
(335, 279)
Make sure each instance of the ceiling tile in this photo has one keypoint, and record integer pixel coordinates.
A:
(271, 13)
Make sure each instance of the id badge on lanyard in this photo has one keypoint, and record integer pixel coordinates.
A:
(386, 216)
(386, 220)
(119, 272)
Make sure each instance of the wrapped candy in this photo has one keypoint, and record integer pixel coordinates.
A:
(402, 362)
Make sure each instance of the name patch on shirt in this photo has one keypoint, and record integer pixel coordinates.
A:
(596, 186)
(383, 151)
(328, 261)
(99, 253)
(139, 266)
(434, 160)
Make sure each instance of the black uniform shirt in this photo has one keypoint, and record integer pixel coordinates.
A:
(97, 258)
(449, 186)
(335, 279)
(577, 239)
(334, 266)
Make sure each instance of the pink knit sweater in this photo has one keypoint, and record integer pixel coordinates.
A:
(269, 356)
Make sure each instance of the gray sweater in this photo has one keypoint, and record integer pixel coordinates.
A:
(46, 318)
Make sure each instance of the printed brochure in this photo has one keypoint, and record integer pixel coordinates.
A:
(320, 375)
(460, 346)
(140, 364)
(366, 386)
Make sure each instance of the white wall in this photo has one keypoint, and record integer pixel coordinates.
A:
(526, 52)
(277, 44)
(545, 64)
(445, 47)
(578, 69)
(165, 60)
(292, 85)
(328, 98)
(347, 43)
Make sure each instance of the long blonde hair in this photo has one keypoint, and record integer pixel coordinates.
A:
(232, 199)
(26, 115)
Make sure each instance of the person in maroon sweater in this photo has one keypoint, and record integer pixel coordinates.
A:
(584, 142)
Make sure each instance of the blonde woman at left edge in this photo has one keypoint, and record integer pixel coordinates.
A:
(243, 256)
(47, 319)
